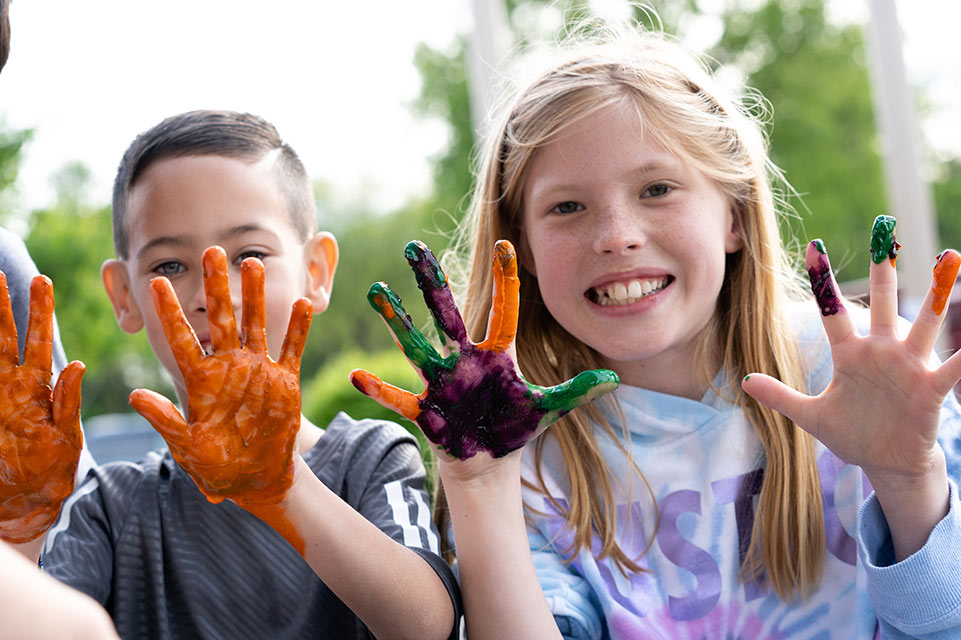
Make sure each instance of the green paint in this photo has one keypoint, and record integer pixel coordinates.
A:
(820, 246)
(414, 251)
(747, 377)
(883, 244)
(416, 347)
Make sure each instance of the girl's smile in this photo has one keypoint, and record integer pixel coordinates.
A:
(629, 245)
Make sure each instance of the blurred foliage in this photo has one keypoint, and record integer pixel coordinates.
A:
(822, 135)
(69, 242)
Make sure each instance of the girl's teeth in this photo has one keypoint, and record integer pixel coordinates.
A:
(623, 294)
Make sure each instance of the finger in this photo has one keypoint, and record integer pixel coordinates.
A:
(834, 316)
(9, 351)
(778, 396)
(386, 395)
(180, 335)
(220, 308)
(301, 314)
(432, 281)
(161, 414)
(415, 346)
(255, 327)
(505, 300)
(947, 376)
(581, 389)
(39, 346)
(883, 277)
(926, 327)
(66, 402)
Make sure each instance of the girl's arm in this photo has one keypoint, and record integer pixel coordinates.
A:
(881, 410)
(480, 412)
(238, 443)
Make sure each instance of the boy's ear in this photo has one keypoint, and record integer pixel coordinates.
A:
(117, 283)
(321, 254)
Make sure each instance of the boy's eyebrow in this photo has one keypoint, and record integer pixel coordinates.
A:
(184, 241)
(176, 241)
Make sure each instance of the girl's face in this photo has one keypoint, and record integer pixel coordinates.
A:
(628, 243)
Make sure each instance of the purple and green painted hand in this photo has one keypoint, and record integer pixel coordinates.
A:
(475, 400)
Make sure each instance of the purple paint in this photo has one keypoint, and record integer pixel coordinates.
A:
(822, 282)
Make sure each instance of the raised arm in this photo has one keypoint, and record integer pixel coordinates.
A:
(479, 412)
(882, 408)
(237, 442)
(40, 439)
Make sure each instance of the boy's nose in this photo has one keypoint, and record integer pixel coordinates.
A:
(617, 230)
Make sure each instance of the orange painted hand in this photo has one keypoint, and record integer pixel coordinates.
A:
(40, 438)
(243, 408)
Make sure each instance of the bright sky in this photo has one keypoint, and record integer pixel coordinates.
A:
(334, 77)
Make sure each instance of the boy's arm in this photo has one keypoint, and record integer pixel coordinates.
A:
(244, 415)
(391, 588)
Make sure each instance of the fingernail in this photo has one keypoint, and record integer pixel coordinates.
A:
(945, 274)
(747, 377)
(883, 243)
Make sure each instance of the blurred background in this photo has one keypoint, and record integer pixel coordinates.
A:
(385, 103)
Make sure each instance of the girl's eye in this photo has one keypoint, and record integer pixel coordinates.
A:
(567, 207)
(169, 268)
(657, 190)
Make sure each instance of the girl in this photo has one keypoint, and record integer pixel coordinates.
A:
(700, 500)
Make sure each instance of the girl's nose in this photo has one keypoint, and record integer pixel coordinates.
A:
(618, 231)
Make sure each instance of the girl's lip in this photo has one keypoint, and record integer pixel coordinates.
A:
(627, 276)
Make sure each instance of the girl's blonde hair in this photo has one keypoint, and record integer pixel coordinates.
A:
(682, 107)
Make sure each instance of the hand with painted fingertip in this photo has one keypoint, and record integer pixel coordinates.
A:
(881, 410)
(475, 400)
(40, 436)
(243, 408)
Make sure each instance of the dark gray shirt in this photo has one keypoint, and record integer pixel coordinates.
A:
(142, 540)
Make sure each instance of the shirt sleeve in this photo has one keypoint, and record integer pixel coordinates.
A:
(395, 498)
(78, 549)
(919, 597)
(569, 595)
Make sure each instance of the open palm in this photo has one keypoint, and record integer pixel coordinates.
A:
(40, 437)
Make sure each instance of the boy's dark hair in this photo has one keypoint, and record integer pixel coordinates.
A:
(216, 133)
(4, 32)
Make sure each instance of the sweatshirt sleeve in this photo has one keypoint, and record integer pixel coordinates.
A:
(919, 597)
(569, 595)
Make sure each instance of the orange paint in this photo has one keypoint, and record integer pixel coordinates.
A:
(243, 408)
(945, 275)
(505, 302)
(40, 438)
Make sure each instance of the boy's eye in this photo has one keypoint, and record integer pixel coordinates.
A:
(260, 255)
(169, 268)
(657, 190)
(567, 207)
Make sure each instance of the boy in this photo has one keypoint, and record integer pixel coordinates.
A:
(142, 539)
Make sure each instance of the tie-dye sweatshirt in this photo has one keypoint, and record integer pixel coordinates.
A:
(705, 466)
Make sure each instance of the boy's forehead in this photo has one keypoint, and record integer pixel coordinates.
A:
(197, 199)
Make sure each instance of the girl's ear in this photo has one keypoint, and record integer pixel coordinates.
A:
(320, 255)
(733, 240)
(116, 281)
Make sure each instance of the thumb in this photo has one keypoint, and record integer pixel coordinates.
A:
(778, 396)
(66, 402)
(162, 415)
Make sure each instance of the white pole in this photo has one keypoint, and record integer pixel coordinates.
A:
(485, 54)
(908, 194)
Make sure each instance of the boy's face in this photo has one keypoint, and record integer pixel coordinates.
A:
(181, 206)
